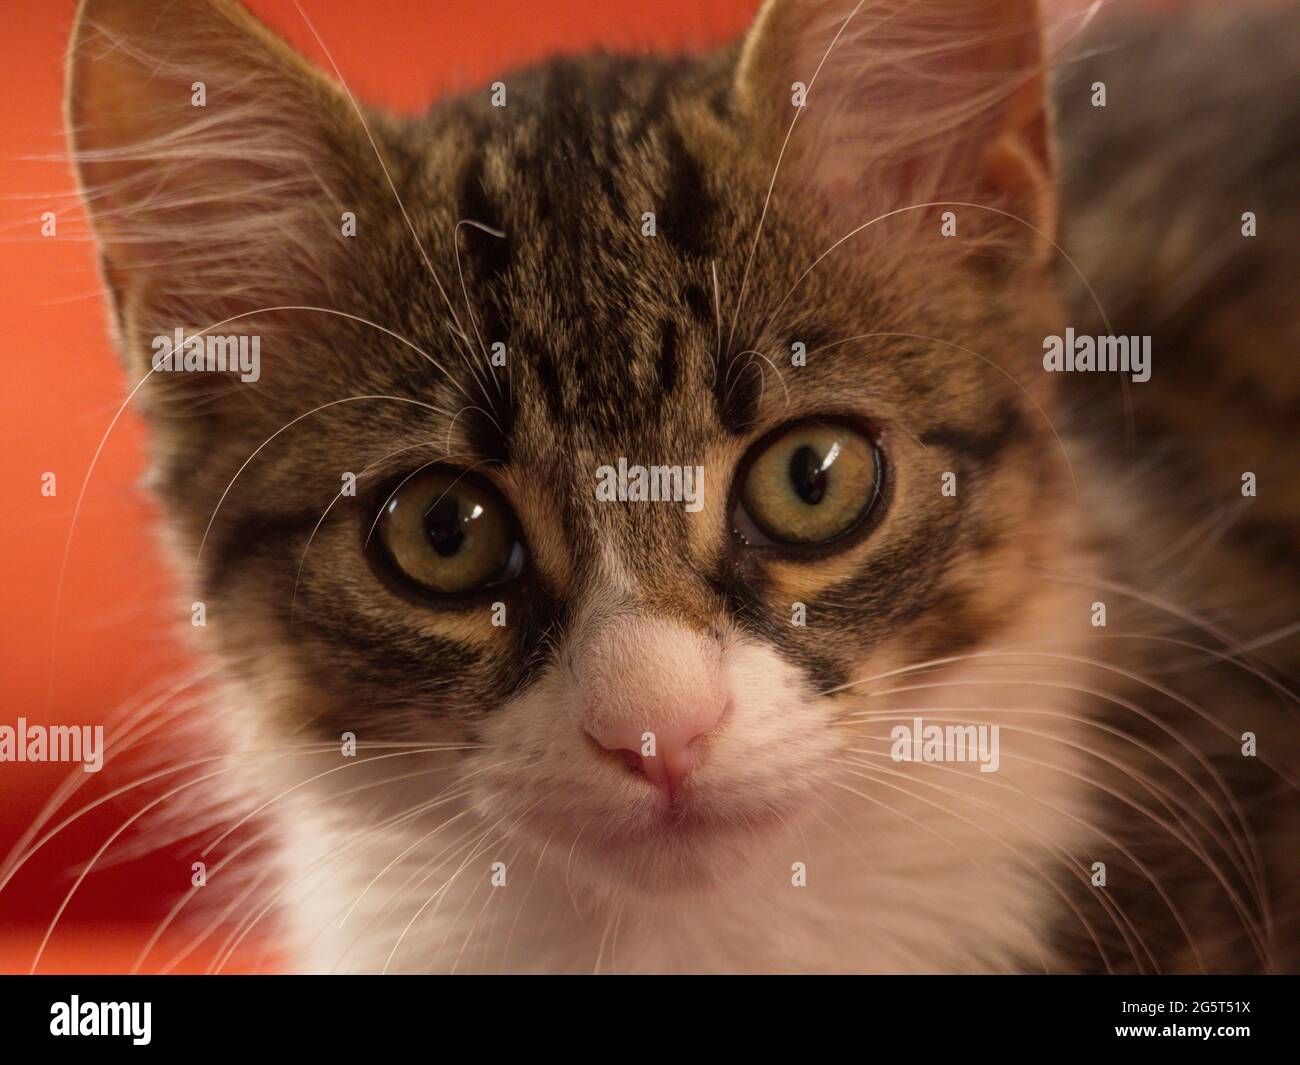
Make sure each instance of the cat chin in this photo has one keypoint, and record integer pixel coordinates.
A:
(673, 869)
(684, 853)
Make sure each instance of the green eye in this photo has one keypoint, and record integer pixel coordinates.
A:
(811, 483)
(449, 533)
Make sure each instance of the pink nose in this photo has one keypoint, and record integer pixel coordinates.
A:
(675, 746)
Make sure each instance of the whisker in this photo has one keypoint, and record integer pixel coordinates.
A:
(460, 475)
(241, 932)
(144, 717)
(293, 602)
(1185, 838)
(929, 830)
(1182, 614)
(350, 763)
(441, 892)
(465, 779)
(288, 425)
(469, 310)
(523, 902)
(1065, 455)
(1147, 716)
(397, 818)
(771, 186)
(873, 772)
(384, 167)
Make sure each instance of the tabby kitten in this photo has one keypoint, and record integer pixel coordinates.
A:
(502, 705)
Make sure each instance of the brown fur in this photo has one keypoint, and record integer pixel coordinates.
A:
(676, 348)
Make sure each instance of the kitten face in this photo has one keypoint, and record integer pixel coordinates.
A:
(525, 226)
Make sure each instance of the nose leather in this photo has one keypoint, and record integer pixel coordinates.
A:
(675, 745)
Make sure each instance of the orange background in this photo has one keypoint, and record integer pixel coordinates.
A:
(116, 625)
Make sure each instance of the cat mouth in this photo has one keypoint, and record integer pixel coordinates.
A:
(690, 819)
(689, 824)
(689, 848)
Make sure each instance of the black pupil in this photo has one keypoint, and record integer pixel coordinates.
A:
(443, 526)
(807, 475)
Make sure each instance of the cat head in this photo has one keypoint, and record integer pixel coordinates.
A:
(615, 424)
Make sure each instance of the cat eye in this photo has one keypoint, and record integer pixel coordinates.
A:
(808, 483)
(450, 533)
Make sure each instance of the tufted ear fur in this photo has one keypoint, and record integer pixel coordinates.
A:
(215, 163)
(905, 102)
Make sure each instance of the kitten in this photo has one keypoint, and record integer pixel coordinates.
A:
(497, 719)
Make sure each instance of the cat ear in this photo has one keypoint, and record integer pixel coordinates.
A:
(214, 162)
(905, 102)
